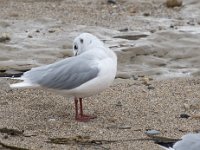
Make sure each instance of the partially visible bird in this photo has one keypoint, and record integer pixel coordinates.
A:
(190, 141)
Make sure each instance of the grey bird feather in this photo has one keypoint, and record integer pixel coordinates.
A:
(63, 75)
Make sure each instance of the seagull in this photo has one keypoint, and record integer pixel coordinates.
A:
(190, 141)
(91, 70)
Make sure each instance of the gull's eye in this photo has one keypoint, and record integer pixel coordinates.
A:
(75, 47)
(81, 40)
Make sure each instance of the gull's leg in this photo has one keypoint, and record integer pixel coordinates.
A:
(76, 107)
(81, 111)
(81, 107)
(81, 117)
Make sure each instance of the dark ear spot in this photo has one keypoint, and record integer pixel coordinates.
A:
(81, 40)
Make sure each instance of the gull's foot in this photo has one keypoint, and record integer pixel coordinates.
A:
(85, 118)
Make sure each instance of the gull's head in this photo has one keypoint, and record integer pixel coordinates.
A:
(85, 42)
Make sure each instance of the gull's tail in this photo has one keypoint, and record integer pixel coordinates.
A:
(19, 76)
(21, 85)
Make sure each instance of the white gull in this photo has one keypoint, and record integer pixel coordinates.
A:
(90, 71)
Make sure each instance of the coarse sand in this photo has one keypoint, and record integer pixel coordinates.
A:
(125, 111)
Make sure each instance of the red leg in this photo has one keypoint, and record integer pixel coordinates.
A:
(76, 107)
(81, 106)
(79, 115)
(81, 111)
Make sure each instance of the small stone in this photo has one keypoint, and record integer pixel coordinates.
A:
(173, 3)
(111, 1)
(123, 29)
(152, 132)
(4, 38)
(135, 77)
(146, 14)
(145, 81)
(119, 104)
(150, 87)
(152, 30)
(171, 26)
(123, 75)
(52, 30)
(186, 116)
(30, 36)
(38, 31)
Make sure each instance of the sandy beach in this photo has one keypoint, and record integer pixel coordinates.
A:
(157, 83)
(125, 111)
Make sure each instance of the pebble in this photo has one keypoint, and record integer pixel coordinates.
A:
(135, 77)
(173, 3)
(119, 104)
(123, 29)
(151, 87)
(112, 1)
(186, 116)
(152, 132)
(38, 31)
(123, 75)
(145, 81)
(30, 36)
(146, 14)
(52, 30)
(4, 38)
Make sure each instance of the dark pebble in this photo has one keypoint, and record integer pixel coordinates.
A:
(123, 29)
(186, 116)
(146, 14)
(112, 1)
(150, 87)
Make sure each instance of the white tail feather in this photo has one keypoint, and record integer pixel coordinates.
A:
(22, 85)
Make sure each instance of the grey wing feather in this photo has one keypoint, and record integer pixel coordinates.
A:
(66, 74)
